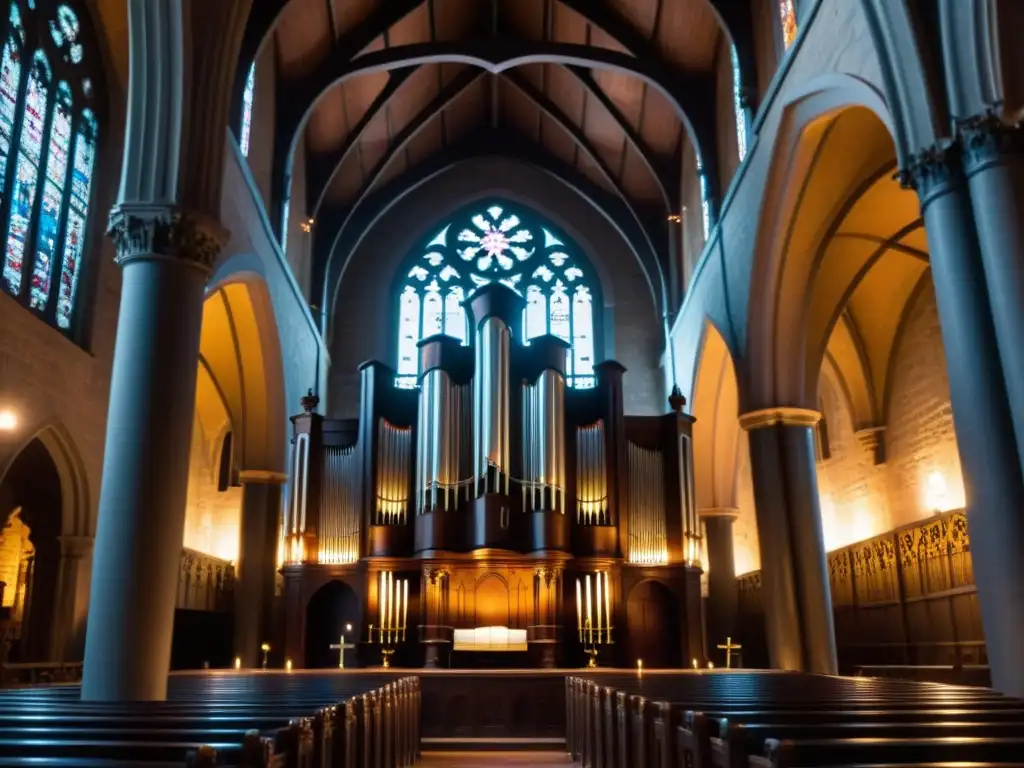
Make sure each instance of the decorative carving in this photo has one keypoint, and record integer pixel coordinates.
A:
(142, 232)
(676, 400)
(987, 140)
(932, 172)
(309, 401)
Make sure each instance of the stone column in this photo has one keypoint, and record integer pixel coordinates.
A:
(723, 596)
(70, 604)
(794, 571)
(994, 166)
(166, 256)
(981, 411)
(256, 569)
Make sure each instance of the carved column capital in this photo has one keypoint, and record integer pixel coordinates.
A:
(987, 140)
(145, 232)
(434, 574)
(932, 172)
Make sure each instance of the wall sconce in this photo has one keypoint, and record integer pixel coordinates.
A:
(675, 218)
(307, 226)
(266, 649)
(8, 420)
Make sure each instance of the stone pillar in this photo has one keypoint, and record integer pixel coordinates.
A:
(166, 258)
(994, 165)
(723, 595)
(70, 602)
(794, 571)
(256, 569)
(981, 411)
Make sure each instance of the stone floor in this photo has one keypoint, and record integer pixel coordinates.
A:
(492, 759)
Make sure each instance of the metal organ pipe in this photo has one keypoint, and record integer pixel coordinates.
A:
(544, 443)
(648, 540)
(338, 539)
(393, 454)
(438, 448)
(591, 482)
(491, 407)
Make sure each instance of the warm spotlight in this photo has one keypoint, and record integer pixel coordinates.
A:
(8, 420)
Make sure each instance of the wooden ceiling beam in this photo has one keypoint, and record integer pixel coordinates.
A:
(331, 258)
(324, 167)
(576, 133)
(668, 183)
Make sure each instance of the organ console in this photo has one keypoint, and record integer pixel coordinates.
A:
(504, 488)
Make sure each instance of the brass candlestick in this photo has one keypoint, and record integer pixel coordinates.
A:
(386, 654)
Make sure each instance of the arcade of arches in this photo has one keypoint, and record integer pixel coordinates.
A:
(513, 332)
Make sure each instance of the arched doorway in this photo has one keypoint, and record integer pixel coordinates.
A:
(30, 511)
(333, 607)
(652, 626)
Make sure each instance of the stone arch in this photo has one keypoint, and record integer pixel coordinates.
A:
(76, 518)
(654, 625)
(492, 603)
(833, 164)
(716, 433)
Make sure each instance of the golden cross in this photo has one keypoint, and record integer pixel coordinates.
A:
(340, 647)
(729, 647)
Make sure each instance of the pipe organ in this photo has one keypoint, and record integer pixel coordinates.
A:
(648, 541)
(591, 483)
(461, 486)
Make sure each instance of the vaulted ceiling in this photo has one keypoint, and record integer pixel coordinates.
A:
(601, 93)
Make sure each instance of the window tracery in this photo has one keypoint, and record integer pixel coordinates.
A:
(48, 137)
(787, 22)
(738, 108)
(496, 243)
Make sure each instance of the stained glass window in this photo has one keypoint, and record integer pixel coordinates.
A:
(497, 243)
(247, 97)
(705, 204)
(738, 108)
(48, 138)
(787, 20)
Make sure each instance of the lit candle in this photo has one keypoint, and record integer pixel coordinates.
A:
(288, 665)
(392, 605)
(579, 609)
(590, 618)
(607, 608)
(382, 598)
(405, 606)
(238, 662)
(598, 604)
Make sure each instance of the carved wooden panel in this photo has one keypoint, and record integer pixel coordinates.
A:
(840, 577)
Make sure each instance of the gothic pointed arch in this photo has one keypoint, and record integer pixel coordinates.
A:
(498, 241)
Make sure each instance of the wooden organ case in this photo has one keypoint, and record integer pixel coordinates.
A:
(500, 494)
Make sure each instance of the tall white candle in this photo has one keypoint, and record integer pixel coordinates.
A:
(382, 598)
(598, 604)
(579, 609)
(391, 602)
(405, 605)
(590, 617)
(607, 608)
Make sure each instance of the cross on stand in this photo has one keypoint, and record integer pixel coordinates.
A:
(729, 647)
(340, 647)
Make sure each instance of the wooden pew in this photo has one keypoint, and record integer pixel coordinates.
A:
(167, 732)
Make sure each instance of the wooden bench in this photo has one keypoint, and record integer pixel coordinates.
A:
(272, 721)
(611, 724)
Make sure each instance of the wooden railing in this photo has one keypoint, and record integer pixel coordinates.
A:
(906, 597)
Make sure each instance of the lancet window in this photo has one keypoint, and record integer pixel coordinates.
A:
(48, 139)
(498, 243)
(247, 98)
(787, 22)
(738, 108)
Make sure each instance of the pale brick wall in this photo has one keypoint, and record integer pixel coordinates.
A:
(920, 439)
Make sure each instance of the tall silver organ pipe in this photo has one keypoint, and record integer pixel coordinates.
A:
(338, 537)
(491, 407)
(393, 458)
(692, 531)
(648, 542)
(591, 480)
(294, 522)
(438, 446)
(544, 443)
